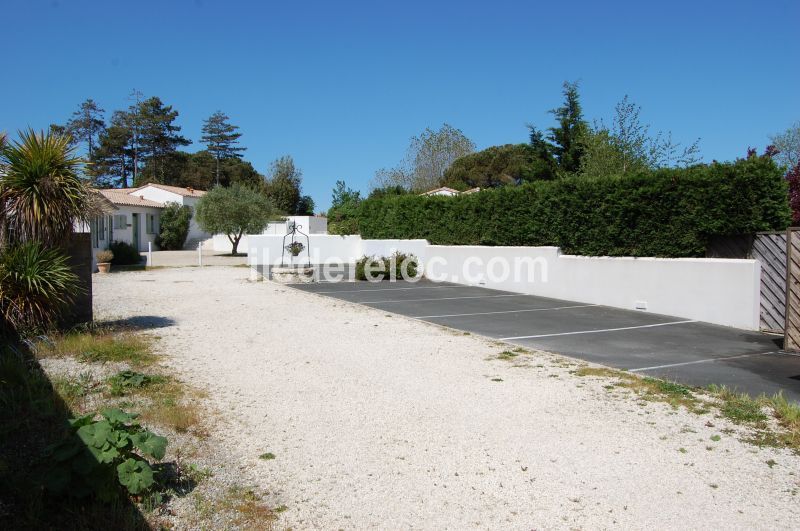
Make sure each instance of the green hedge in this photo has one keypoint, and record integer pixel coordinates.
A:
(670, 212)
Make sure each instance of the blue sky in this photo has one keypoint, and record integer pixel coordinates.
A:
(342, 86)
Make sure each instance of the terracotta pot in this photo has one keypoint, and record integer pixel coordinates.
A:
(104, 267)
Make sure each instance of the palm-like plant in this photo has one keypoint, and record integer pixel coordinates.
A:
(41, 193)
(35, 285)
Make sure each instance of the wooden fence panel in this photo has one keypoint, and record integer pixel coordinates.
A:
(770, 250)
(791, 339)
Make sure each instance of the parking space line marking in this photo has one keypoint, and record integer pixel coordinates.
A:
(505, 311)
(668, 365)
(444, 298)
(597, 331)
(392, 289)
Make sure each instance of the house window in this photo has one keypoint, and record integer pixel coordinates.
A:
(101, 228)
(151, 223)
(120, 221)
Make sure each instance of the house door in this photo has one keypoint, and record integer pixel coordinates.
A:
(135, 230)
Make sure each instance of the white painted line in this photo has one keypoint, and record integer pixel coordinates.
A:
(389, 289)
(506, 311)
(701, 361)
(444, 298)
(597, 331)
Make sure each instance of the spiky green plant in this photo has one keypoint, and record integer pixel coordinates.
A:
(35, 285)
(41, 193)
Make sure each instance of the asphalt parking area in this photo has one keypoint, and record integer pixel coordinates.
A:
(681, 350)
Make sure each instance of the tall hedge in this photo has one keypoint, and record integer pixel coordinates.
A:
(667, 213)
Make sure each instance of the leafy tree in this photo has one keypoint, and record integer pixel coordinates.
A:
(283, 184)
(234, 211)
(788, 146)
(113, 159)
(221, 138)
(158, 136)
(628, 146)
(544, 166)
(567, 137)
(87, 124)
(793, 178)
(197, 170)
(427, 158)
(174, 226)
(492, 167)
(387, 191)
(343, 214)
(305, 206)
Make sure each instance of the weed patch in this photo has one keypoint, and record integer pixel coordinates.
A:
(125, 381)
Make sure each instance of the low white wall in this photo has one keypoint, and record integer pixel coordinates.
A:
(719, 291)
(713, 290)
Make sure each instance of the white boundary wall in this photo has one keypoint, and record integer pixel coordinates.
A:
(720, 291)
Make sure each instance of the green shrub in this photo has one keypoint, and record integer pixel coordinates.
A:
(35, 286)
(382, 268)
(670, 212)
(174, 226)
(99, 456)
(124, 253)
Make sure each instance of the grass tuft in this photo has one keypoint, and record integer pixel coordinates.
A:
(98, 346)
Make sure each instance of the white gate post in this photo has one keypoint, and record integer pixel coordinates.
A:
(149, 254)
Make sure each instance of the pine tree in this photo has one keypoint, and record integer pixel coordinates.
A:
(221, 138)
(87, 124)
(567, 138)
(113, 158)
(158, 135)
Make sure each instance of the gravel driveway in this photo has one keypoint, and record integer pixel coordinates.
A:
(378, 421)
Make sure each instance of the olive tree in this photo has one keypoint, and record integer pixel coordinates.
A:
(234, 211)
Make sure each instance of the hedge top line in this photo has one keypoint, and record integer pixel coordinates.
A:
(664, 213)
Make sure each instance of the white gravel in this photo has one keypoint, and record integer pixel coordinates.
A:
(379, 421)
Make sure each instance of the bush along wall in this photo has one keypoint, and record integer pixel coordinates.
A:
(666, 213)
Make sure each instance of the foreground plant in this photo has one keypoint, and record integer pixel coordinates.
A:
(102, 455)
(35, 285)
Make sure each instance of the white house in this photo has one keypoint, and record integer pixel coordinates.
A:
(162, 193)
(134, 215)
(135, 220)
(450, 192)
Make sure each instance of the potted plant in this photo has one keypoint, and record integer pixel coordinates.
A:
(295, 248)
(104, 261)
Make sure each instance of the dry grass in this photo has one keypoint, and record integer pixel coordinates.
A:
(739, 408)
(171, 403)
(243, 506)
(98, 346)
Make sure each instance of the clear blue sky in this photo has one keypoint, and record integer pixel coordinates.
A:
(342, 86)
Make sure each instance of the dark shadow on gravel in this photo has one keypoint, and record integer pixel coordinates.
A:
(32, 417)
(139, 322)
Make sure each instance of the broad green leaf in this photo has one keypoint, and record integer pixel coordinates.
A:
(135, 475)
(81, 421)
(95, 434)
(117, 416)
(150, 444)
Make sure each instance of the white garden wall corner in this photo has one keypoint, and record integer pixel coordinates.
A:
(713, 290)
